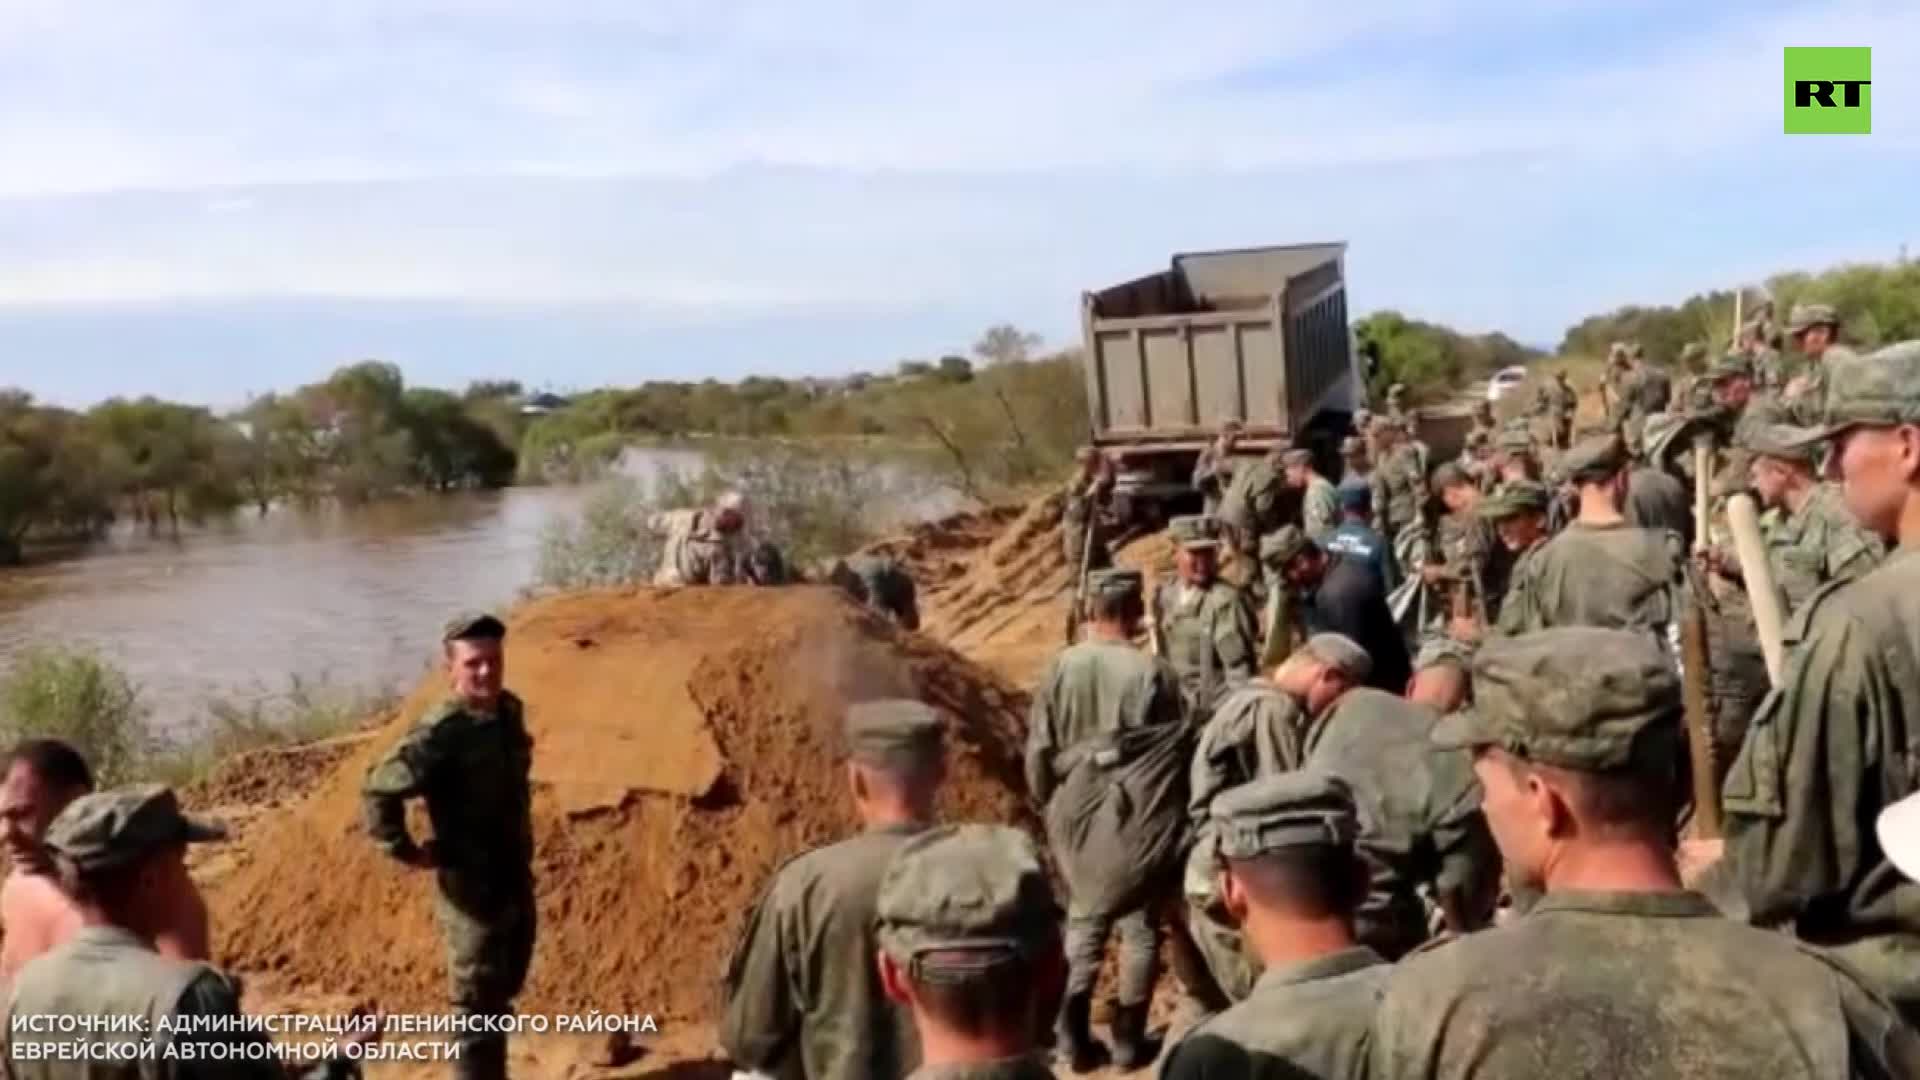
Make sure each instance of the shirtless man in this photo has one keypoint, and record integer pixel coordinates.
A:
(41, 777)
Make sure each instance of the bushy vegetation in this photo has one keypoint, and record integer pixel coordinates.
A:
(1433, 361)
(360, 434)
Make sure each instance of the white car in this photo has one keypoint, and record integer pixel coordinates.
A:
(1504, 380)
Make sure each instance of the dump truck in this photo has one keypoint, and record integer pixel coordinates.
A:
(1257, 335)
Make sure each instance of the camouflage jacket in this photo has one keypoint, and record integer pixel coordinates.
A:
(1820, 543)
(1211, 639)
(1319, 508)
(105, 972)
(1615, 577)
(1092, 689)
(1832, 746)
(1632, 986)
(1657, 500)
(803, 997)
(1420, 820)
(1805, 395)
(696, 553)
(1253, 499)
(473, 771)
(1399, 491)
(1307, 1020)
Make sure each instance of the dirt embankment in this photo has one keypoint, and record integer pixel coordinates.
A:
(684, 747)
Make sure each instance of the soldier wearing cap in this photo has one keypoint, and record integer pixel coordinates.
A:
(1420, 824)
(1337, 594)
(1442, 675)
(1355, 465)
(1519, 458)
(704, 546)
(1399, 481)
(1815, 539)
(1319, 505)
(1208, 624)
(1468, 559)
(1095, 696)
(970, 944)
(1834, 744)
(1291, 879)
(1252, 505)
(1656, 499)
(1815, 330)
(1396, 401)
(1617, 971)
(1085, 503)
(1518, 516)
(881, 583)
(1256, 732)
(121, 858)
(1599, 570)
(803, 996)
(1355, 538)
(469, 759)
(1478, 460)
(1213, 470)
(1555, 402)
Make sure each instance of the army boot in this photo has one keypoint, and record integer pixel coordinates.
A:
(1074, 1044)
(1131, 1047)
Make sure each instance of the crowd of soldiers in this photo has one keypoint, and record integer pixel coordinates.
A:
(1477, 861)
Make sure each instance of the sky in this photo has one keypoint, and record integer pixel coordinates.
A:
(204, 199)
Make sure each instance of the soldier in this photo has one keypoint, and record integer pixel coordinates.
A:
(1085, 502)
(1399, 482)
(121, 859)
(766, 565)
(1482, 422)
(970, 944)
(1103, 708)
(1815, 540)
(1441, 675)
(1617, 384)
(1397, 401)
(1355, 465)
(1291, 879)
(1336, 594)
(803, 993)
(880, 583)
(1420, 822)
(1655, 498)
(1599, 571)
(704, 547)
(42, 776)
(1252, 505)
(1477, 459)
(1519, 459)
(1519, 519)
(1834, 745)
(1470, 559)
(1815, 330)
(1213, 471)
(1256, 732)
(469, 758)
(1561, 403)
(1617, 972)
(1319, 507)
(1207, 625)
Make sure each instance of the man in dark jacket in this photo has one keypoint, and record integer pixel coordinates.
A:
(1341, 595)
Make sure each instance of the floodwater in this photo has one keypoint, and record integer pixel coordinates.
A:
(351, 598)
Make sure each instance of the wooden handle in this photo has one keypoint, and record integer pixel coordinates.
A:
(1743, 519)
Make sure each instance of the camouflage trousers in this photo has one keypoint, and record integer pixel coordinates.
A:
(1086, 946)
(1230, 966)
(489, 948)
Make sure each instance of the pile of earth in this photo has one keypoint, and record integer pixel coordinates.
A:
(685, 746)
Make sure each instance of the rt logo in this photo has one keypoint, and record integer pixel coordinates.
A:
(1829, 91)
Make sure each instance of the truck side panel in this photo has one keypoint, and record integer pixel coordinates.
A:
(1166, 375)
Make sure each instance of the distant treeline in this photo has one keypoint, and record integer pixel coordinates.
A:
(360, 434)
(1433, 361)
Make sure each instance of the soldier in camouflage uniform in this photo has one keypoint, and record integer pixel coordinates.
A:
(1319, 507)
(1292, 881)
(1256, 732)
(1815, 540)
(1213, 470)
(1084, 504)
(803, 997)
(1815, 330)
(880, 583)
(1835, 744)
(1399, 482)
(1599, 571)
(1442, 675)
(1091, 695)
(1421, 829)
(1356, 466)
(1397, 401)
(1207, 624)
(1557, 403)
(1252, 507)
(1617, 973)
(1518, 516)
(703, 547)
(469, 758)
(117, 854)
(1482, 422)
(969, 942)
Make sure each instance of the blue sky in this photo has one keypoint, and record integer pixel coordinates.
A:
(205, 198)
